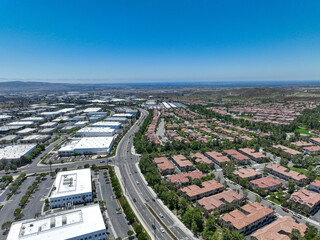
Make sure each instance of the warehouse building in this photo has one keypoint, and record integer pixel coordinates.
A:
(81, 123)
(5, 118)
(32, 119)
(96, 132)
(116, 119)
(9, 138)
(20, 123)
(92, 145)
(49, 125)
(80, 223)
(35, 138)
(114, 125)
(125, 115)
(26, 131)
(71, 187)
(15, 152)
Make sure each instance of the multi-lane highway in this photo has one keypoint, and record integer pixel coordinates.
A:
(137, 190)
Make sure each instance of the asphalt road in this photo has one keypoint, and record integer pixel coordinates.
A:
(136, 188)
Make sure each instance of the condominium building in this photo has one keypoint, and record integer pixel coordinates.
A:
(236, 156)
(194, 192)
(217, 157)
(184, 178)
(164, 165)
(247, 173)
(182, 163)
(248, 218)
(305, 198)
(200, 158)
(287, 150)
(266, 183)
(221, 201)
(279, 229)
(252, 154)
(315, 186)
(287, 174)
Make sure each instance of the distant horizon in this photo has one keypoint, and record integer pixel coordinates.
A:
(160, 82)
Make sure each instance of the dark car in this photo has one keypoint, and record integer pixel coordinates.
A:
(284, 209)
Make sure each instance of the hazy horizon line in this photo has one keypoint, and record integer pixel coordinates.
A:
(145, 80)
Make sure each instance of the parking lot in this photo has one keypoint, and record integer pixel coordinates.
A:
(36, 200)
(13, 203)
(120, 225)
(55, 158)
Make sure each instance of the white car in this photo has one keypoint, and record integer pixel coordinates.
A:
(162, 230)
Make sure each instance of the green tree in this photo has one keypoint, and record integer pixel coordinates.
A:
(232, 235)
(311, 233)
(7, 168)
(6, 226)
(13, 167)
(18, 214)
(291, 186)
(183, 205)
(295, 234)
(258, 198)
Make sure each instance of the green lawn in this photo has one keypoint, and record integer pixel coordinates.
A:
(299, 170)
(302, 131)
(243, 116)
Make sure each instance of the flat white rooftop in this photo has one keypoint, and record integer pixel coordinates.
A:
(88, 143)
(106, 124)
(126, 115)
(65, 110)
(26, 130)
(20, 123)
(62, 225)
(96, 130)
(72, 183)
(49, 124)
(16, 151)
(35, 137)
(88, 110)
(33, 119)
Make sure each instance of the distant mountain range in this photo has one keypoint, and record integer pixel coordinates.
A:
(18, 86)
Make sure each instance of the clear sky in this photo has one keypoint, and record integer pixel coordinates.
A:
(110, 41)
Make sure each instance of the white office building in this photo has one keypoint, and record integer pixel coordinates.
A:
(93, 145)
(76, 224)
(114, 125)
(96, 132)
(71, 187)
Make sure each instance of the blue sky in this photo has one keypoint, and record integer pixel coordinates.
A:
(125, 41)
